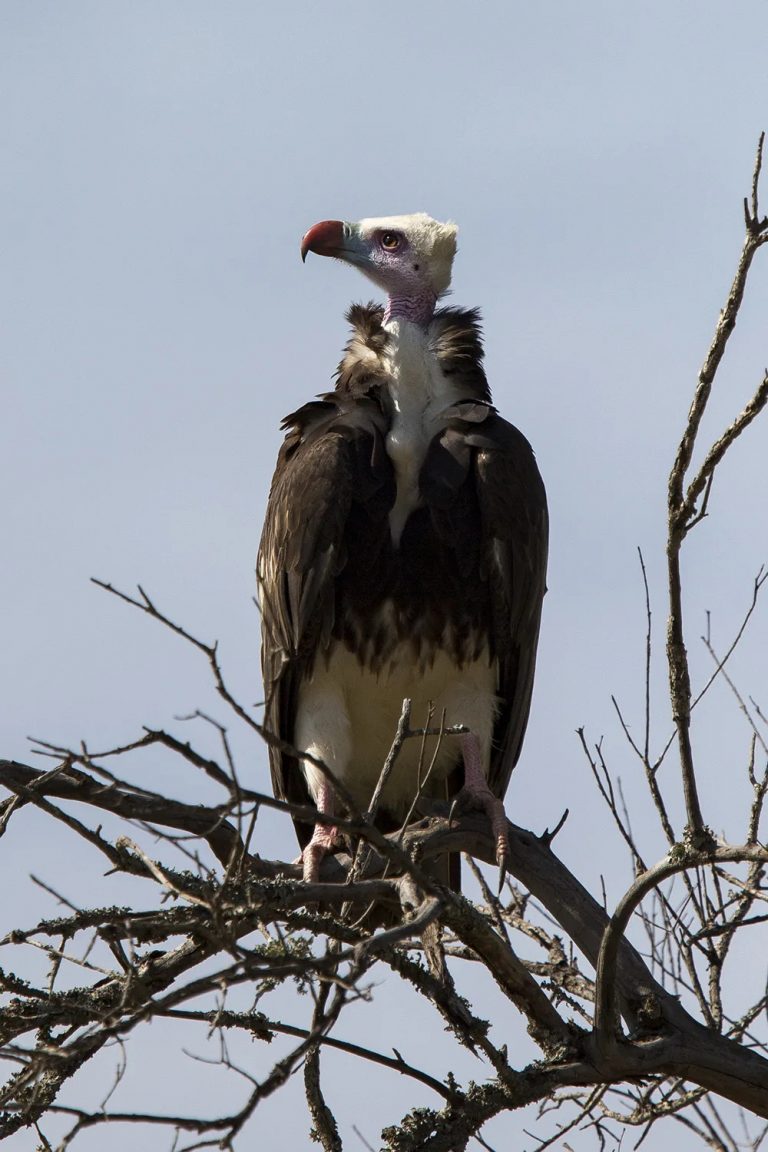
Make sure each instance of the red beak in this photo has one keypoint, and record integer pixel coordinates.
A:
(324, 239)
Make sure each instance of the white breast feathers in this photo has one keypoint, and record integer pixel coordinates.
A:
(420, 393)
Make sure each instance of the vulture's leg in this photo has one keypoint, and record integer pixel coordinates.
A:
(324, 837)
(476, 787)
(323, 731)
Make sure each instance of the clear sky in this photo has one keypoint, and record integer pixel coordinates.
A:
(158, 166)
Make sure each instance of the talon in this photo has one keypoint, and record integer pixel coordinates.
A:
(325, 837)
(324, 840)
(476, 787)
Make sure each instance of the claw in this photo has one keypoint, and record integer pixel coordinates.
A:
(476, 787)
(325, 837)
(452, 811)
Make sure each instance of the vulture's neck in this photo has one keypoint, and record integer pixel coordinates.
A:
(419, 308)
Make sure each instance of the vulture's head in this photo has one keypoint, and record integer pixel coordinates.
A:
(410, 257)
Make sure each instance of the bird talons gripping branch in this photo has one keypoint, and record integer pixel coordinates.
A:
(325, 837)
(477, 794)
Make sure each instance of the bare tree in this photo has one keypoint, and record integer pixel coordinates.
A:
(626, 1035)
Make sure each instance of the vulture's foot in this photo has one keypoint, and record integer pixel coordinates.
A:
(324, 838)
(477, 794)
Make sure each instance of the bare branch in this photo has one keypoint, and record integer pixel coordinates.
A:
(681, 508)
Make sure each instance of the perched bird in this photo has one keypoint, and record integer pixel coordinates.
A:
(403, 554)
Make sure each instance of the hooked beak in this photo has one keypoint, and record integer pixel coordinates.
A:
(325, 239)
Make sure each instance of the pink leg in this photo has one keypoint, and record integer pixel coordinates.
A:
(476, 785)
(324, 837)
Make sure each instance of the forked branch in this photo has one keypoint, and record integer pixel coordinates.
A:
(682, 504)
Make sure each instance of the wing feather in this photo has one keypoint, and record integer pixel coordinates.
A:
(332, 458)
(488, 504)
(513, 509)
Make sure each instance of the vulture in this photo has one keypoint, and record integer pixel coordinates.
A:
(403, 554)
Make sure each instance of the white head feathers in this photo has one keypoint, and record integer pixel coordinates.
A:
(433, 244)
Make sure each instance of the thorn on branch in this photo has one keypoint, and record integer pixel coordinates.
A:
(755, 226)
(547, 837)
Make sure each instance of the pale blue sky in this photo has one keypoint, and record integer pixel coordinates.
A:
(158, 166)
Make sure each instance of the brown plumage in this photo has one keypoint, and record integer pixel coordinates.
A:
(464, 581)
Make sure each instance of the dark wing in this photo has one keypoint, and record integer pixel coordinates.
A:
(513, 506)
(332, 459)
(508, 524)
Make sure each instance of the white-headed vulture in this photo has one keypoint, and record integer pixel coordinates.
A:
(403, 554)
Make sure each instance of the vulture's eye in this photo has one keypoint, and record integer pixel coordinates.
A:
(390, 241)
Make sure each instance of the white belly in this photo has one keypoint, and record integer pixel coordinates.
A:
(347, 717)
